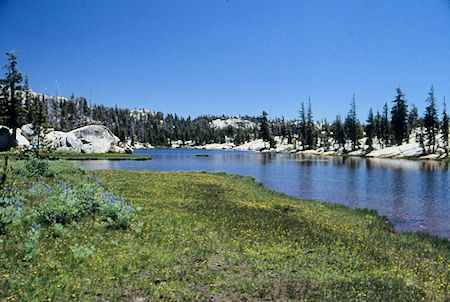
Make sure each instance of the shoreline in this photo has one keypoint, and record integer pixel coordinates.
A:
(312, 153)
(80, 156)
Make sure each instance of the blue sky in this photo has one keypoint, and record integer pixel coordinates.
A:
(233, 57)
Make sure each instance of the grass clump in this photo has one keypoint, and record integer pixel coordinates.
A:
(35, 167)
(201, 155)
(201, 236)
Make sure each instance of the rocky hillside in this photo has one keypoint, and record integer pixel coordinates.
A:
(87, 139)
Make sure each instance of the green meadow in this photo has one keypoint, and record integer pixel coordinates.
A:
(146, 236)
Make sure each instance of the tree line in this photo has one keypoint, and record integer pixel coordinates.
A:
(19, 105)
(386, 128)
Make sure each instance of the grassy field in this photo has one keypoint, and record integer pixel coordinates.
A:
(216, 237)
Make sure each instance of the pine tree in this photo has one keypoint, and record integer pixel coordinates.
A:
(264, 130)
(413, 117)
(370, 129)
(11, 108)
(239, 138)
(39, 121)
(385, 127)
(399, 115)
(283, 128)
(431, 121)
(310, 133)
(445, 129)
(324, 135)
(28, 100)
(352, 125)
(338, 131)
(302, 126)
(289, 134)
(378, 128)
(64, 122)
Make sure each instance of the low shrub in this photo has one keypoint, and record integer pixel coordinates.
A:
(63, 205)
(116, 212)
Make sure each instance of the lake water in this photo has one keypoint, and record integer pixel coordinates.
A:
(413, 194)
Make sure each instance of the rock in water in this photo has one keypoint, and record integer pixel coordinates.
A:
(88, 139)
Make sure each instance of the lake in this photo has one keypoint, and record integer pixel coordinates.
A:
(414, 195)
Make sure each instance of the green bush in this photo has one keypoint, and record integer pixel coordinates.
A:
(59, 207)
(116, 212)
(63, 205)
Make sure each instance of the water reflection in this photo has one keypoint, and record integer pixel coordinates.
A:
(429, 200)
(305, 179)
(413, 194)
(398, 187)
(352, 184)
(398, 193)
